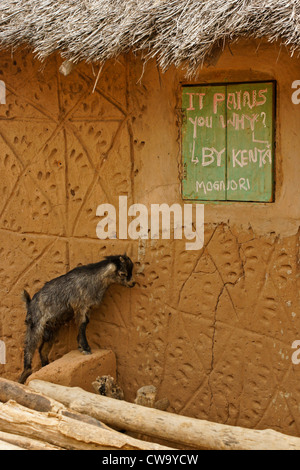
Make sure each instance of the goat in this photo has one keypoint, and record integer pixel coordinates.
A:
(65, 297)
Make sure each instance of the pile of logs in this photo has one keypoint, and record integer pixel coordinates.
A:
(44, 416)
(33, 420)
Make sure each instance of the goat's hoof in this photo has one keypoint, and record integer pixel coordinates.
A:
(24, 376)
(85, 351)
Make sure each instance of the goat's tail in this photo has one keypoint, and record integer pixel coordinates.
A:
(26, 297)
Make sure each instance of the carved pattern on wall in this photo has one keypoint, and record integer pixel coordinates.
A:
(212, 330)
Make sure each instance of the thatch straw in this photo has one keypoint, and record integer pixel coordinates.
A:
(180, 32)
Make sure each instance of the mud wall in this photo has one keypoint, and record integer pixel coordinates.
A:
(212, 329)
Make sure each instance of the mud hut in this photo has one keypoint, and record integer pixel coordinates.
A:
(161, 102)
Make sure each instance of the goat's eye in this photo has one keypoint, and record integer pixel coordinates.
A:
(122, 274)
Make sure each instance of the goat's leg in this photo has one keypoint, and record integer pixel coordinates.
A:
(46, 345)
(83, 320)
(33, 337)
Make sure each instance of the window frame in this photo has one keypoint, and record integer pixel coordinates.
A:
(273, 140)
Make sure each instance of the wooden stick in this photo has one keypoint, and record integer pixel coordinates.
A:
(22, 394)
(7, 446)
(64, 431)
(26, 442)
(167, 426)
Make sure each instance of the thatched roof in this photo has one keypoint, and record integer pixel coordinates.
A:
(180, 32)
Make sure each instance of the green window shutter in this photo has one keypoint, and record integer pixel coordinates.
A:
(250, 142)
(204, 143)
(227, 142)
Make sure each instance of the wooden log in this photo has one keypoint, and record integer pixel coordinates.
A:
(64, 431)
(7, 446)
(22, 394)
(26, 442)
(192, 432)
